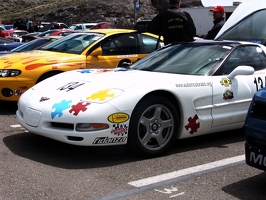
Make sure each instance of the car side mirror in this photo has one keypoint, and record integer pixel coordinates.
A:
(241, 70)
(97, 52)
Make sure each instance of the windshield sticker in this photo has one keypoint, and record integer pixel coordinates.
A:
(202, 84)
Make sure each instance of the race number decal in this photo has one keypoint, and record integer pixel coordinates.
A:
(259, 82)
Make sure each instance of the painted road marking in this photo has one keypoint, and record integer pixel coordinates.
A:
(152, 183)
(19, 126)
(185, 172)
(16, 126)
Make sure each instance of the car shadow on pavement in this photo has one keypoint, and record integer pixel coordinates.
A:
(54, 153)
(7, 108)
(58, 154)
(250, 188)
(218, 140)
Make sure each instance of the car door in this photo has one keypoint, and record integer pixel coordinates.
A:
(232, 94)
(121, 50)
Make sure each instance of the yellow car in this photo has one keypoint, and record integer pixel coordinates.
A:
(100, 48)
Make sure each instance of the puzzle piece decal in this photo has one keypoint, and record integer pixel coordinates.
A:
(81, 106)
(60, 107)
(101, 95)
(192, 124)
(84, 71)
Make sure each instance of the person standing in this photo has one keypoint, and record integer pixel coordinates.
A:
(173, 24)
(31, 28)
(218, 21)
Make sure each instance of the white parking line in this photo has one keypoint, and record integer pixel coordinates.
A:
(184, 172)
(16, 126)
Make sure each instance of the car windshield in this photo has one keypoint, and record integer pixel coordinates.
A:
(46, 33)
(187, 58)
(74, 43)
(34, 44)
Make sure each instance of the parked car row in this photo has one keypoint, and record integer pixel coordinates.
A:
(49, 28)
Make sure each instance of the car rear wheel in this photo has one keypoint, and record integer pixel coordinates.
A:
(153, 126)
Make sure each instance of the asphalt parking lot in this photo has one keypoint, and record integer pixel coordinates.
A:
(207, 167)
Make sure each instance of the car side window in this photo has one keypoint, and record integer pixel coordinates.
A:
(121, 45)
(78, 27)
(148, 44)
(246, 55)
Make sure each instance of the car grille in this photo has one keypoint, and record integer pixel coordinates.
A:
(258, 110)
(66, 126)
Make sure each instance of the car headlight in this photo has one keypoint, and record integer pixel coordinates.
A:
(9, 72)
(91, 126)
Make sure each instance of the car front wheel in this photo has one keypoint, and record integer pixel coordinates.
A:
(153, 126)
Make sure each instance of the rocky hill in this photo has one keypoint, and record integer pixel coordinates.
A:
(120, 13)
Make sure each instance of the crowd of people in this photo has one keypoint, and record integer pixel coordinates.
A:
(27, 25)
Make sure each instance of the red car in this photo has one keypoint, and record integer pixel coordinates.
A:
(15, 34)
(52, 32)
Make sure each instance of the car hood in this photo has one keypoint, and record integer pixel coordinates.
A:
(98, 84)
(35, 58)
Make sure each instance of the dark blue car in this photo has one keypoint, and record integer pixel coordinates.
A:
(8, 44)
(255, 128)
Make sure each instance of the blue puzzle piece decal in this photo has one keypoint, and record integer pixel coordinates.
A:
(60, 107)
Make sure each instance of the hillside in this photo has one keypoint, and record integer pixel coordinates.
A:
(120, 13)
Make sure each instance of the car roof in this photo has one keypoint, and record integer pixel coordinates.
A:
(93, 23)
(110, 31)
(219, 42)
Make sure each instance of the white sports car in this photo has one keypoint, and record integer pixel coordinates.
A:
(179, 91)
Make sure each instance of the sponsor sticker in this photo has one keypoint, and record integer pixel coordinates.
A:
(106, 140)
(118, 117)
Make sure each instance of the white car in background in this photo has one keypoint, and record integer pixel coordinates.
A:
(88, 26)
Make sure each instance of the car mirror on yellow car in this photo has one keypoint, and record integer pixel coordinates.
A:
(97, 52)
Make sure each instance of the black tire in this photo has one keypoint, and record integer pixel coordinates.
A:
(153, 127)
(124, 63)
(47, 75)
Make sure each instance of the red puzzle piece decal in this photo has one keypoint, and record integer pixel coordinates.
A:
(81, 106)
(192, 124)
